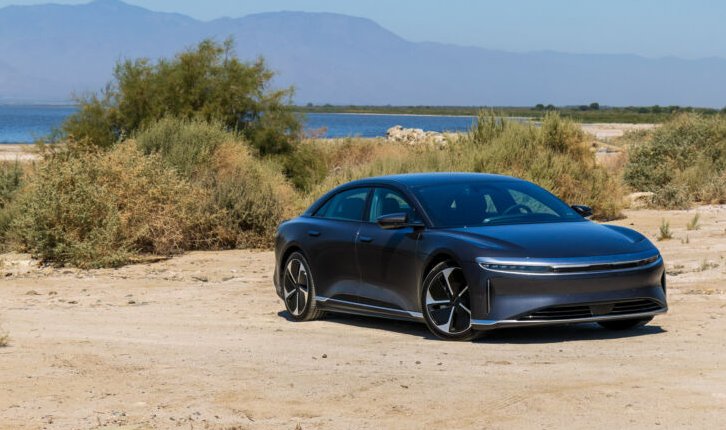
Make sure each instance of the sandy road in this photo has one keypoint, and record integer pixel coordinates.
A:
(199, 342)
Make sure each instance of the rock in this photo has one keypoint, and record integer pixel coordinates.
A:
(414, 136)
(640, 199)
(32, 293)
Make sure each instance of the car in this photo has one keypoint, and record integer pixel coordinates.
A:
(464, 253)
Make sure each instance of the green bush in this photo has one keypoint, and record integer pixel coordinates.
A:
(250, 195)
(186, 145)
(208, 83)
(94, 209)
(682, 162)
(253, 195)
(306, 166)
(11, 179)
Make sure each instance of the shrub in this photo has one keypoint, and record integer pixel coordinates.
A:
(93, 209)
(186, 145)
(683, 161)
(208, 82)
(11, 179)
(249, 196)
(306, 166)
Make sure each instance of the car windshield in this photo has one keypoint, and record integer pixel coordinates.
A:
(491, 203)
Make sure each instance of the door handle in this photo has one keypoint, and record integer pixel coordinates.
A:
(313, 233)
(365, 239)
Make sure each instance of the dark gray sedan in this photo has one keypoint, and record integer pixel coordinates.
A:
(464, 253)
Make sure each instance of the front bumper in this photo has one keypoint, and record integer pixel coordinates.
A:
(570, 291)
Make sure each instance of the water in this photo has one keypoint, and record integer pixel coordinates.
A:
(25, 124)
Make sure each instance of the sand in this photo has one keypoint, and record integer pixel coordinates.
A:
(200, 341)
(19, 152)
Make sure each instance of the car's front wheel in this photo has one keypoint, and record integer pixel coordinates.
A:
(445, 303)
(625, 324)
(299, 289)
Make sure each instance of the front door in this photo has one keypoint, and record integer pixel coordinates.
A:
(387, 258)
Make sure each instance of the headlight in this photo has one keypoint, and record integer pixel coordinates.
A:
(514, 268)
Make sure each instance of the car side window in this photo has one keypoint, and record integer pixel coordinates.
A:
(386, 201)
(346, 205)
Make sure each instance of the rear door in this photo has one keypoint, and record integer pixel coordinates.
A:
(331, 234)
(387, 258)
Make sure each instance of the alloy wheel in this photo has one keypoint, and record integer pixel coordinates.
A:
(447, 302)
(296, 286)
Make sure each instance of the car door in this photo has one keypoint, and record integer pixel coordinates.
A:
(387, 258)
(331, 234)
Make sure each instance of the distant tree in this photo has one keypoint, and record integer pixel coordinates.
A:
(539, 106)
(208, 82)
(656, 109)
(723, 110)
(594, 106)
(583, 108)
(550, 107)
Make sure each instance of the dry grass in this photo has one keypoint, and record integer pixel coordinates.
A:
(693, 223)
(664, 231)
(4, 338)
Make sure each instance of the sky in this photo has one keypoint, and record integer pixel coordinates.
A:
(651, 28)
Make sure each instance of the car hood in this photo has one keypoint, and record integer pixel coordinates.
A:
(555, 240)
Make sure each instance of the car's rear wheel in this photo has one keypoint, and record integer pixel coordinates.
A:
(299, 289)
(625, 324)
(445, 303)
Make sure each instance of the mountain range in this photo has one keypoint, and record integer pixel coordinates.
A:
(49, 52)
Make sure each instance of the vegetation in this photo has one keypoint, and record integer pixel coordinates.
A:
(693, 223)
(11, 179)
(4, 338)
(208, 83)
(664, 232)
(93, 208)
(250, 194)
(682, 162)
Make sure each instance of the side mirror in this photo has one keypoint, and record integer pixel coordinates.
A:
(393, 221)
(584, 211)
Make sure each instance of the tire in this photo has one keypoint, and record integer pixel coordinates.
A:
(298, 289)
(624, 324)
(445, 303)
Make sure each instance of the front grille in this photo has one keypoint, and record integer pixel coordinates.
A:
(588, 310)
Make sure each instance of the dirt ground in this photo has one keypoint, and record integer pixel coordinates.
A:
(200, 341)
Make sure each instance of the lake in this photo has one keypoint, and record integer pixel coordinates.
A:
(25, 124)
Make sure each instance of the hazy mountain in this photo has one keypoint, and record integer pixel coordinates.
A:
(49, 51)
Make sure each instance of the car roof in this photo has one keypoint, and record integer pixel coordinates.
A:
(417, 179)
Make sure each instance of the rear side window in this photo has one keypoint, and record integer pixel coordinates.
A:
(346, 205)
